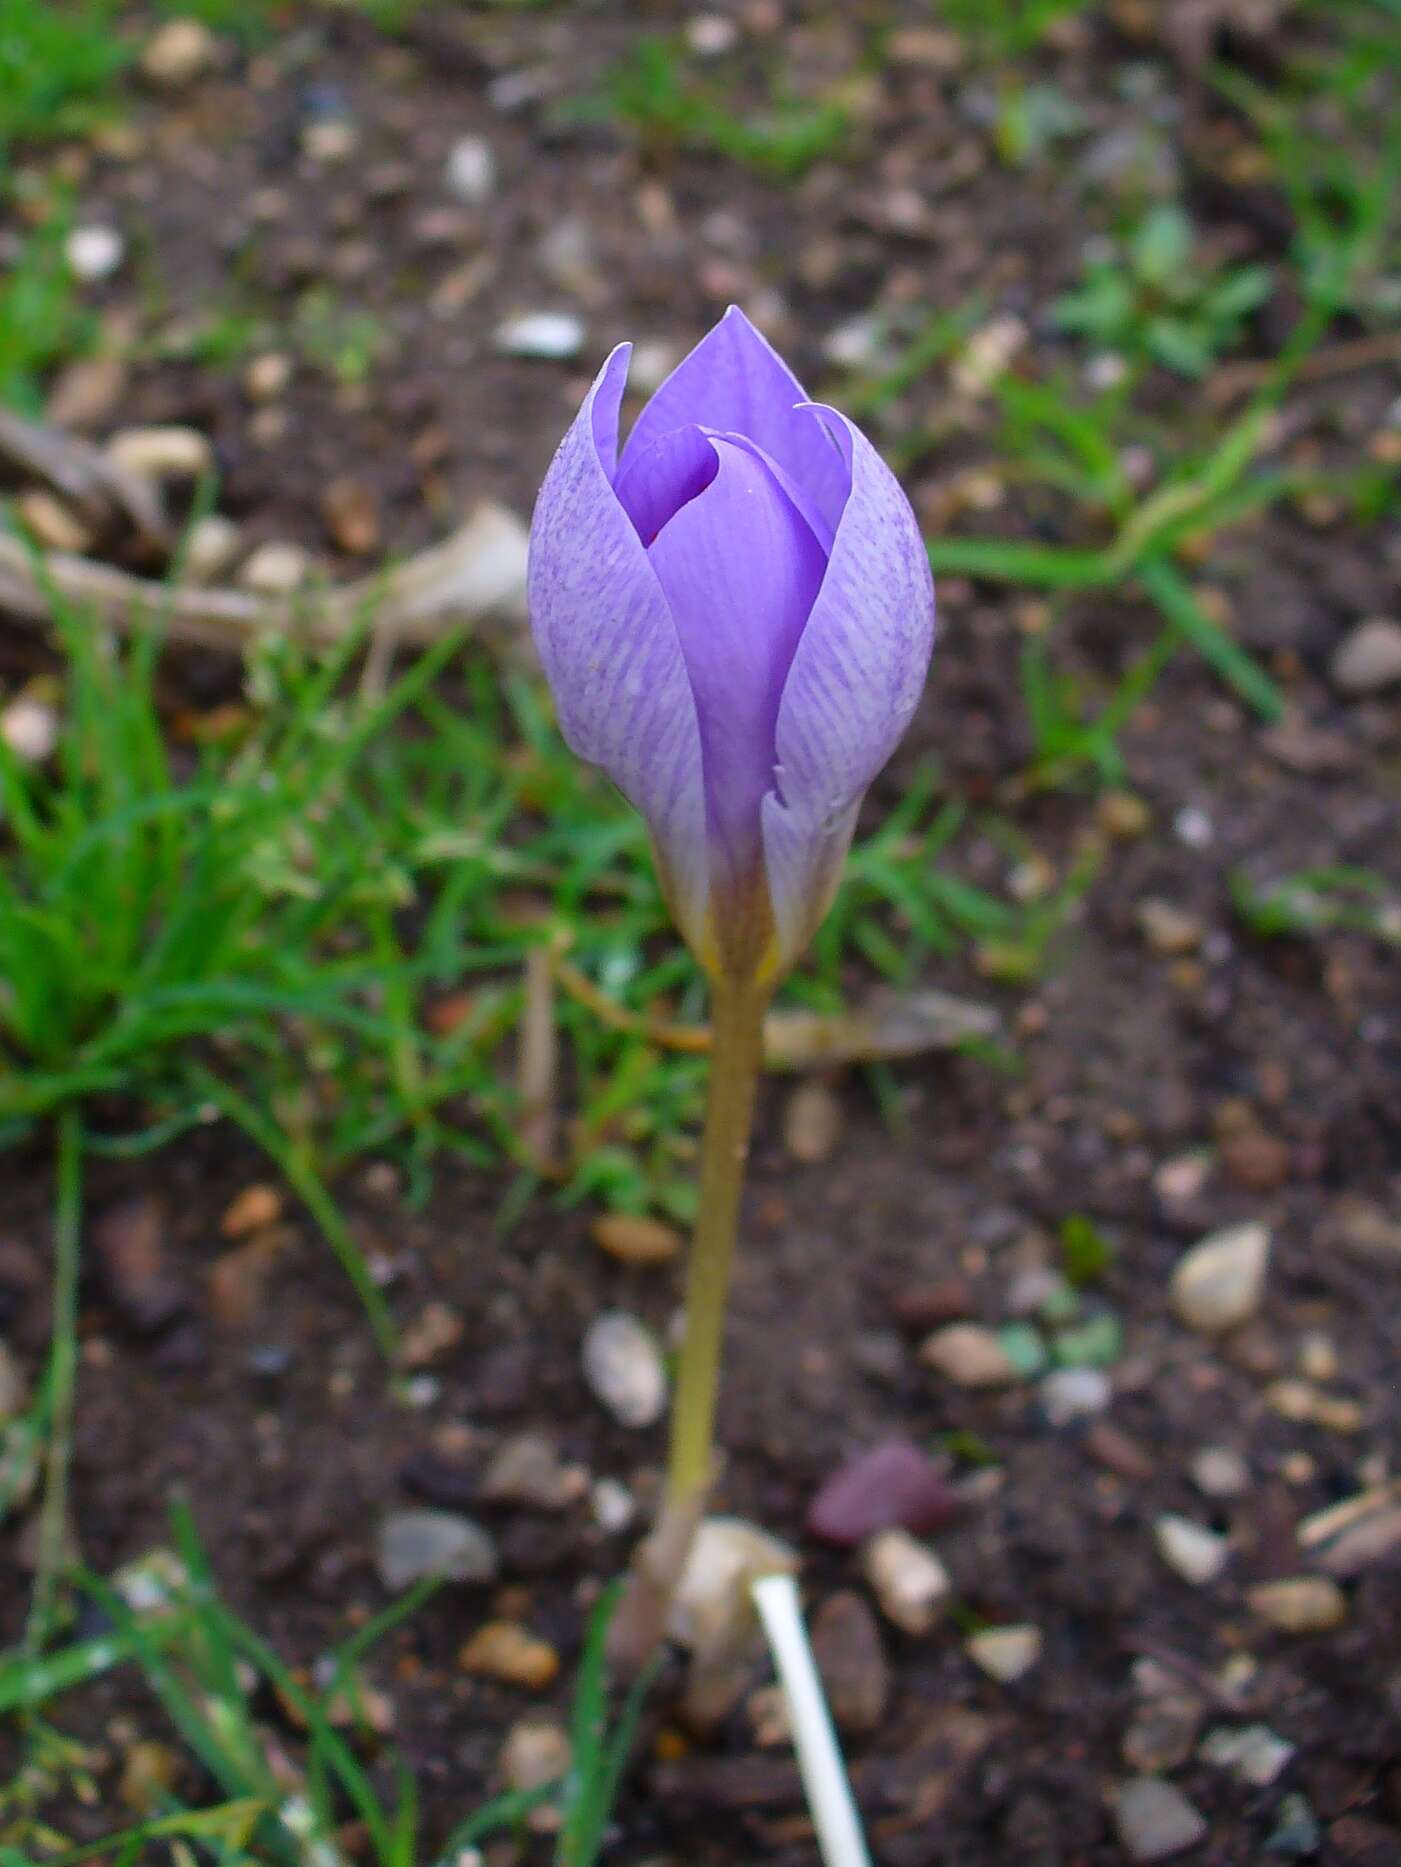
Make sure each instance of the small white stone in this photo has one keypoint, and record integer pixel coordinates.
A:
(1218, 1284)
(1369, 658)
(623, 1367)
(470, 173)
(613, 1505)
(552, 336)
(1189, 1549)
(276, 569)
(1005, 1653)
(711, 35)
(1194, 827)
(907, 1579)
(1253, 1753)
(94, 252)
(30, 729)
(653, 360)
(268, 375)
(1218, 1471)
(331, 141)
(854, 345)
(162, 453)
(1070, 1394)
(212, 545)
(1155, 1820)
(178, 53)
(987, 354)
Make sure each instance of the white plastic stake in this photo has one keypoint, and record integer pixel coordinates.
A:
(820, 1762)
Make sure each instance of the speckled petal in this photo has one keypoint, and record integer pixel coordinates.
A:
(610, 647)
(855, 681)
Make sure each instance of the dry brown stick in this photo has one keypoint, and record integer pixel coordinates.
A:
(476, 573)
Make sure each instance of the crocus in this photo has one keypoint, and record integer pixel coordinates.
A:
(735, 614)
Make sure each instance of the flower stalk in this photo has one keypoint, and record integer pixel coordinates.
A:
(736, 1058)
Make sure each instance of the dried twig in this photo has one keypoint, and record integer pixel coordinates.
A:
(476, 573)
(82, 473)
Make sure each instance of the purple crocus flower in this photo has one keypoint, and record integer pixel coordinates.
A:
(736, 616)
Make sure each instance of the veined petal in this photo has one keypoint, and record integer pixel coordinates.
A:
(736, 382)
(740, 568)
(610, 646)
(855, 680)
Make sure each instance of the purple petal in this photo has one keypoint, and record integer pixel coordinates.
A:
(734, 381)
(892, 1486)
(610, 646)
(654, 485)
(856, 677)
(741, 569)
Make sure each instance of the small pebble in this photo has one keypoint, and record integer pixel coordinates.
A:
(1155, 1820)
(846, 1644)
(1190, 1550)
(1296, 1834)
(51, 524)
(1005, 1654)
(711, 35)
(507, 1651)
(162, 453)
(1219, 1472)
(412, 1544)
(613, 1506)
(908, 1580)
(30, 729)
(211, 545)
(1168, 930)
(537, 1752)
(891, 1486)
(276, 569)
(636, 1240)
(1219, 1283)
(256, 1206)
(1299, 1604)
(350, 513)
(268, 376)
(94, 253)
(527, 1469)
(550, 336)
(1162, 1735)
(812, 1123)
(623, 1368)
(1369, 658)
(969, 1355)
(1070, 1394)
(1253, 1753)
(470, 173)
(179, 52)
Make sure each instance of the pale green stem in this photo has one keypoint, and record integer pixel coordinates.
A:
(736, 1057)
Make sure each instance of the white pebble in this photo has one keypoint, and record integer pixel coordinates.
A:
(1218, 1284)
(1189, 1549)
(470, 173)
(1005, 1653)
(623, 1367)
(552, 336)
(94, 253)
(908, 1580)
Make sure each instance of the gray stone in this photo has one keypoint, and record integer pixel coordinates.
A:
(1006, 1653)
(1220, 1472)
(908, 1580)
(1253, 1753)
(470, 173)
(1071, 1394)
(551, 336)
(1189, 1549)
(412, 1544)
(1155, 1820)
